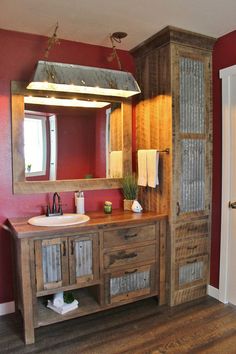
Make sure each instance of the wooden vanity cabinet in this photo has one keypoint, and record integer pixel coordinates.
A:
(108, 261)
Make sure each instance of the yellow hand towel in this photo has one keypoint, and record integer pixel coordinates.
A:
(152, 168)
(116, 164)
(142, 168)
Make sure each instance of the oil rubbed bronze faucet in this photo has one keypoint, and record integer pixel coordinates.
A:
(56, 207)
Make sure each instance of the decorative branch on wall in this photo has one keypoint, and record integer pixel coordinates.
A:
(116, 37)
(52, 41)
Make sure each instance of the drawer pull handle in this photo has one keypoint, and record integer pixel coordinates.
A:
(64, 248)
(122, 255)
(131, 272)
(130, 236)
(72, 248)
(194, 261)
(178, 209)
(130, 255)
(191, 247)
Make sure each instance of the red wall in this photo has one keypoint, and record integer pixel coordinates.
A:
(224, 55)
(19, 54)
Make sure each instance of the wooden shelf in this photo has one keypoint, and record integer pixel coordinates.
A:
(87, 304)
(66, 288)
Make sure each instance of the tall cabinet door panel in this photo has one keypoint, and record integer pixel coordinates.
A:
(51, 263)
(83, 259)
(192, 138)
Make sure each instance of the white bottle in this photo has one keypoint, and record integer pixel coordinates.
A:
(79, 202)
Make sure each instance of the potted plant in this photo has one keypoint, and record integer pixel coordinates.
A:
(130, 190)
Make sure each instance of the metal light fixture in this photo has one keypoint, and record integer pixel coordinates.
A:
(61, 77)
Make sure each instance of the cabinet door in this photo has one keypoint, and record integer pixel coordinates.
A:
(191, 272)
(129, 284)
(51, 263)
(192, 132)
(84, 259)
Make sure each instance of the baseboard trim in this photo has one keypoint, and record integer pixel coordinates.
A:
(213, 292)
(7, 307)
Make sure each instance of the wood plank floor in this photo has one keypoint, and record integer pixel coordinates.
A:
(203, 326)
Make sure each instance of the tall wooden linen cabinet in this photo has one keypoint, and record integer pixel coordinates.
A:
(174, 111)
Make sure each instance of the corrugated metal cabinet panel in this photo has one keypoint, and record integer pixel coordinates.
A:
(191, 272)
(129, 284)
(83, 258)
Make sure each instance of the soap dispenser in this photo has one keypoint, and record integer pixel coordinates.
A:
(79, 202)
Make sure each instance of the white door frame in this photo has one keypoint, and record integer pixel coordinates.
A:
(226, 76)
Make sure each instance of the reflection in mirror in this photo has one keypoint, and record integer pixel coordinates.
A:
(72, 143)
(115, 142)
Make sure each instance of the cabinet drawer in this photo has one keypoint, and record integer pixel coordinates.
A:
(129, 284)
(197, 227)
(129, 256)
(191, 248)
(189, 294)
(191, 272)
(127, 235)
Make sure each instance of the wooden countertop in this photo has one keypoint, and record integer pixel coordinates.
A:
(98, 220)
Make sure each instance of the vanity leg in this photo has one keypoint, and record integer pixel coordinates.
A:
(26, 290)
(29, 335)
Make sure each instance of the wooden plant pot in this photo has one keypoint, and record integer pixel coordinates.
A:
(128, 204)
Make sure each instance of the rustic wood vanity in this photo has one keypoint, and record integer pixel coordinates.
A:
(108, 261)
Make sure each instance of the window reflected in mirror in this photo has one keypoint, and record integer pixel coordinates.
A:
(35, 145)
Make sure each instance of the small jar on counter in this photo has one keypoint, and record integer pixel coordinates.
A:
(108, 207)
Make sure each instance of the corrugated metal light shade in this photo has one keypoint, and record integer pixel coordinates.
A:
(83, 79)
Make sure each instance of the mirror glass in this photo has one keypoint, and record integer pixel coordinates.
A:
(64, 143)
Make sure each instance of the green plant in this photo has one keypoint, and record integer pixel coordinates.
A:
(68, 297)
(130, 187)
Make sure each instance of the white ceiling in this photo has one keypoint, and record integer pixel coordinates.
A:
(91, 21)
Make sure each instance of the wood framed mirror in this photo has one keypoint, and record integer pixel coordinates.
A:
(22, 184)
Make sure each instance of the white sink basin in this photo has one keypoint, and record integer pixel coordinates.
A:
(60, 220)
